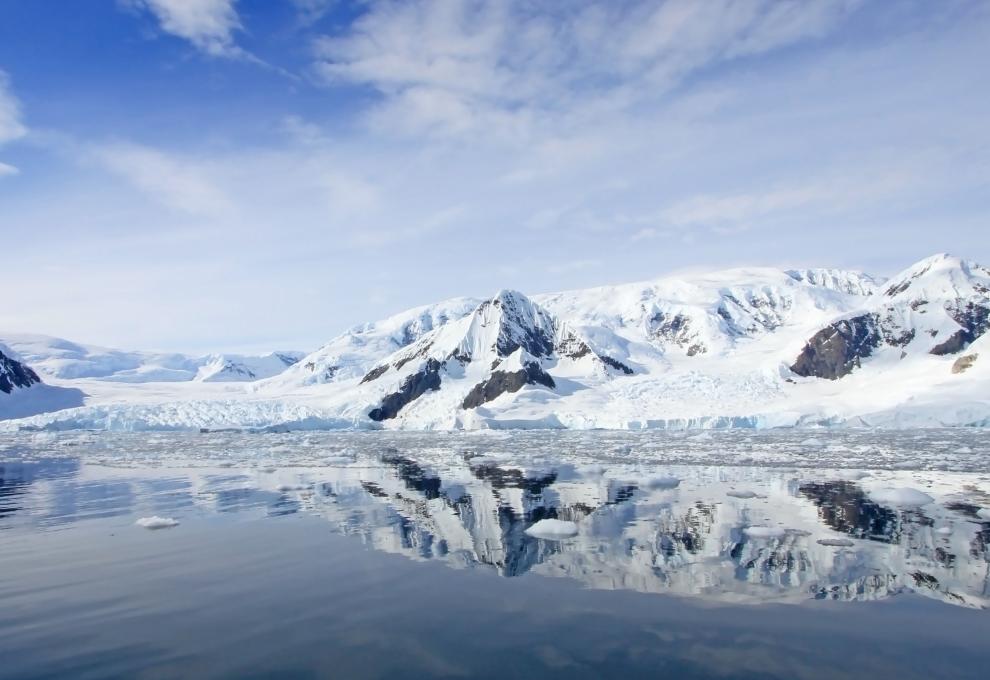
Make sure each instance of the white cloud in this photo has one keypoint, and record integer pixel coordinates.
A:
(455, 66)
(208, 24)
(181, 184)
(11, 127)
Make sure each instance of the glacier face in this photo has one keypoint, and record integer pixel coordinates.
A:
(751, 347)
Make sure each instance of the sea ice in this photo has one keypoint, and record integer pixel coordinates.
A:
(836, 542)
(553, 529)
(905, 496)
(157, 522)
(742, 494)
(764, 532)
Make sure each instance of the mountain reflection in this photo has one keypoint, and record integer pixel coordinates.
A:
(727, 534)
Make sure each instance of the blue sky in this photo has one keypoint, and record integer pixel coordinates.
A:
(219, 174)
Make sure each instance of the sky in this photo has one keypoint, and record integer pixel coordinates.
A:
(246, 175)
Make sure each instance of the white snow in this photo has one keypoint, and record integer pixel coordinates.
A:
(741, 494)
(905, 496)
(553, 529)
(156, 522)
(836, 542)
(764, 532)
(708, 351)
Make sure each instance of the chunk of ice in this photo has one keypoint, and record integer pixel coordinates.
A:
(553, 529)
(904, 495)
(157, 522)
(764, 532)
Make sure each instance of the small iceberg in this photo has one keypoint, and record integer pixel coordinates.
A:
(764, 532)
(157, 522)
(905, 496)
(742, 494)
(836, 542)
(663, 483)
(553, 529)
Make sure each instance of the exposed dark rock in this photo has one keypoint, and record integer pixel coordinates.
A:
(974, 320)
(676, 330)
(500, 382)
(15, 374)
(511, 478)
(462, 357)
(963, 363)
(421, 352)
(838, 348)
(412, 388)
(616, 364)
(517, 329)
(844, 507)
(374, 374)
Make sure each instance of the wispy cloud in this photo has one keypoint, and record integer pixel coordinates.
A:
(456, 66)
(11, 125)
(178, 183)
(209, 25)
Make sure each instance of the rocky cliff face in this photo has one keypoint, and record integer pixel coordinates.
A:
(15, 375)
(506, 343)
(939, 306)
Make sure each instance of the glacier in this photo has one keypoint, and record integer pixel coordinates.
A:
(741, 348)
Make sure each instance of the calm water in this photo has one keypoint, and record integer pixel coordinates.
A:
(385, 555)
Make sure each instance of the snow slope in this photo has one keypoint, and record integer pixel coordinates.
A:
(752, 347)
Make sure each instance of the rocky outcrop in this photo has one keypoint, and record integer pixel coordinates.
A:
(964, 363)
(15, 374)
(837, 349)
(500, 382)
(413, 387)
(973, 319)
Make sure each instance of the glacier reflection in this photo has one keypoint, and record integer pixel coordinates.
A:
(790, 539)
(733, 534)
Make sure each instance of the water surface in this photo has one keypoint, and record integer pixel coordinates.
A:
(391, 555)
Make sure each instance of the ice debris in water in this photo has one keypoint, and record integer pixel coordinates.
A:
(553, 529)
(742, 494)
(663, 483)
(764, 532)
(901, 496)
(156, 522)
(836, 542)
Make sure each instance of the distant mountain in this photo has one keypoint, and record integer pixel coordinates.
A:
(58, 358)
(750, 347)
(23, 394)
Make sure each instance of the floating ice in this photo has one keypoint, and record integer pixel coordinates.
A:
(836, 542)
(157, 522)
(553, 529)
(901, 496)
(764, 532)
(663, 483)
(742, 494)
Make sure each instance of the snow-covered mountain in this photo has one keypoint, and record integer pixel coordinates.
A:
(22, 393)
(938, 306)
(753, 347)
(14, 375)
(62, 359)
